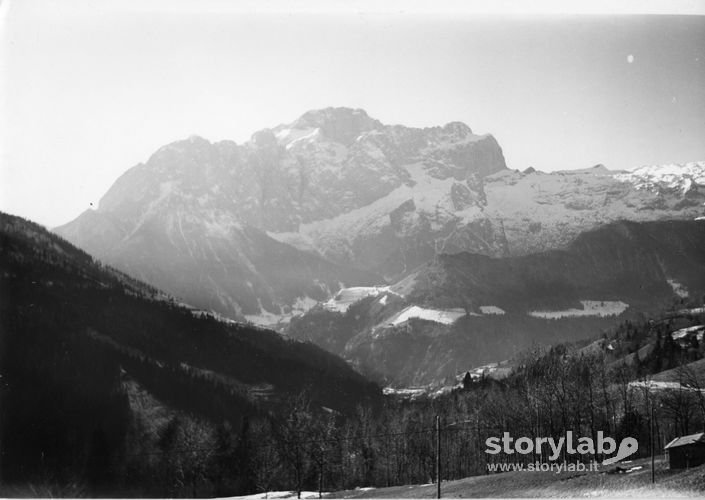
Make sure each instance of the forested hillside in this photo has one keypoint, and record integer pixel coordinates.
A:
(78, 340)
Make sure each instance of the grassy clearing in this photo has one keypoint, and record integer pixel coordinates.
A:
(686, 483)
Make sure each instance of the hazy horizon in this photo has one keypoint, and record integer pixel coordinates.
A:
(90, 91)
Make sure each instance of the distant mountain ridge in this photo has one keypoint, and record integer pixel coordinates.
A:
(464, 310)
(346, 200)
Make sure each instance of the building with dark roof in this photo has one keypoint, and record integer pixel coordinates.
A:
(686, 451)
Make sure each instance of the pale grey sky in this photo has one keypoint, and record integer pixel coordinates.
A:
(91, 88)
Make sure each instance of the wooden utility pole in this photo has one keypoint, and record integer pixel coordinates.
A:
(438, 455)
(651, 432)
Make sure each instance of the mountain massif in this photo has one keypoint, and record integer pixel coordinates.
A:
(345, 200)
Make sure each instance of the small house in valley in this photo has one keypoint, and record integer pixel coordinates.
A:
(686, 451)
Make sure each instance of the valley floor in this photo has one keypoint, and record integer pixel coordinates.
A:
(682, 483)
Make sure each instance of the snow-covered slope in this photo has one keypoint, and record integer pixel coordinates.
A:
(348, 296)
(669, 177)
(599, 308)
(438, 316)
(505, 213)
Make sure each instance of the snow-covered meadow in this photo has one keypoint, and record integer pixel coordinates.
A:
(601, 308)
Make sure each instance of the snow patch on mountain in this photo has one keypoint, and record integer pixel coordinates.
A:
(600, 308)
(406, 392)
(443, 316)
(678, 289)
(265, 318)
(491, 370)
(366, 220)
(661, 385)
(691, 330)
(492, 310)
(287, 137)
(302, 305)
(430, 196)
(348, 296)
(670, 176)
(433, 196)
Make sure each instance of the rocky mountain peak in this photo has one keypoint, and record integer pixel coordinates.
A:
(191, 147)
(458, 130)
(341, 125)
(264, 138)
